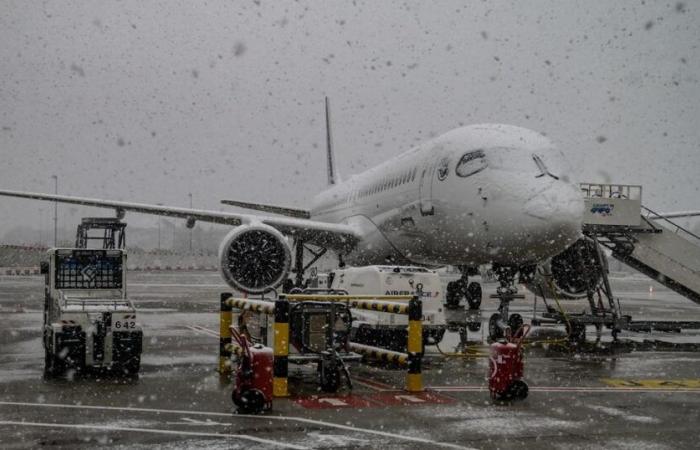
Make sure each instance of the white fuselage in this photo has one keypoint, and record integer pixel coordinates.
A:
(475, 195)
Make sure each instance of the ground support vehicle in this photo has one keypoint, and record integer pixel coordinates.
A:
(89, 323)
(386, 330)
(317, 326)
(317, 333)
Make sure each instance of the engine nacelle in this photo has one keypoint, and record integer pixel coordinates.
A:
(568, 274)
(254, 258)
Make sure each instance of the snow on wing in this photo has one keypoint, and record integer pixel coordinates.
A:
(332, 235)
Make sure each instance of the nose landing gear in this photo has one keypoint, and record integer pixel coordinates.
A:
(505, 293)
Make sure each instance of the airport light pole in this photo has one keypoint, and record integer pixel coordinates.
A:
(41, 226)
(190, 194)
(55, 211)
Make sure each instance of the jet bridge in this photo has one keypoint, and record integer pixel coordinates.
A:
(641, 238)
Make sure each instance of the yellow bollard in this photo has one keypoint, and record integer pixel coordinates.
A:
(225, 335)
(280, 372)
(414, 378)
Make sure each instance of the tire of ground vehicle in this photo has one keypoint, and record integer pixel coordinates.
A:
(131, 367)
(474, 295)
(251, 401)
(474, 326)
(576, 332)
(53, 365)
(495, 331)
(329, 378)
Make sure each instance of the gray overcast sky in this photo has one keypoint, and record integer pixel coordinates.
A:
(148, 101)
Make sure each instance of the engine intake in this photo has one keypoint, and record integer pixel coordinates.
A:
(254, 258)
(568, 274)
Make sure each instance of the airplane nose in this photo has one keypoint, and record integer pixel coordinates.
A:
(560, 208)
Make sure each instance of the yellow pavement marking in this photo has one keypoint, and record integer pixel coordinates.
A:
(653, 384)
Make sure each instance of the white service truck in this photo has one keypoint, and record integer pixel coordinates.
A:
(88, 320)
(389, 330)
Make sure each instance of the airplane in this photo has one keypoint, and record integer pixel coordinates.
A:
(481, 194)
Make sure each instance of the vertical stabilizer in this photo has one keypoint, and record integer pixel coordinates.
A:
(332, 176)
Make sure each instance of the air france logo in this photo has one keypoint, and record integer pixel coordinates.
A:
(603, 209)
(425, 293)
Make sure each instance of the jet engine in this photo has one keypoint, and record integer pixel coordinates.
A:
(254, 258)
(568, 274)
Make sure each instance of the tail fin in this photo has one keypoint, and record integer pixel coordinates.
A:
(333, 177)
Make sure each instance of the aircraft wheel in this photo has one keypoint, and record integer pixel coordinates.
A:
(495, 331)
(453, 295)
(474, 295)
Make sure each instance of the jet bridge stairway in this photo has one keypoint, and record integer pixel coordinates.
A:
(642, 238)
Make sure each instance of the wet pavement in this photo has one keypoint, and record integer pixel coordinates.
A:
(612, 398)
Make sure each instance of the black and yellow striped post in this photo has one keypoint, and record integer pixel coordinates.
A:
(414, 378)
(281, 348)
(225, 334)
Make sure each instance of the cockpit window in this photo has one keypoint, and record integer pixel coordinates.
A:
(471, 163)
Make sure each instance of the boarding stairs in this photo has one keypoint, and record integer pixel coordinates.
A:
(641, 238)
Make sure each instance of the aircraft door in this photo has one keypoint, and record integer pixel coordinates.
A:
(425, 190)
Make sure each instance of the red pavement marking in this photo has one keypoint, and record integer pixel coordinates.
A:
(376, 400)
(410, 398)
(330, 401)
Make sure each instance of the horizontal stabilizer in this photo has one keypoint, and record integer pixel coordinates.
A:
(290, 212)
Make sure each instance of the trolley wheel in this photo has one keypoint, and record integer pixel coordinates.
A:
(495, 331)
(518, 390)
(251, 401)
(474, 295)
(474, 326)
(515, 321)
(329, 379)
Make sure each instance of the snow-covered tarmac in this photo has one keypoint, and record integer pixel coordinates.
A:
(629, 400)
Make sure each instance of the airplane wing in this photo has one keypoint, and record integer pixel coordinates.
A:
(331, 235)
(291, 212)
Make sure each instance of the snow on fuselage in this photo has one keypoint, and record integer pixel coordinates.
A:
(475, 195)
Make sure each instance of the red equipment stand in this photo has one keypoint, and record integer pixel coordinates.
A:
(506, 367)
(252, 393)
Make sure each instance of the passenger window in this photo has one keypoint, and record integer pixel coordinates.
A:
(471, 163)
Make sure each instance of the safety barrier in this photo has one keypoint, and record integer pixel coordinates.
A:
(280, 311)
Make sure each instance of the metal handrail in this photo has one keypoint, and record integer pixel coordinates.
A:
(660, 217)
(603, 190)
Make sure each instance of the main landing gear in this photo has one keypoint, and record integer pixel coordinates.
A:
(505, 293)
(463, 289)
(462, 318)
